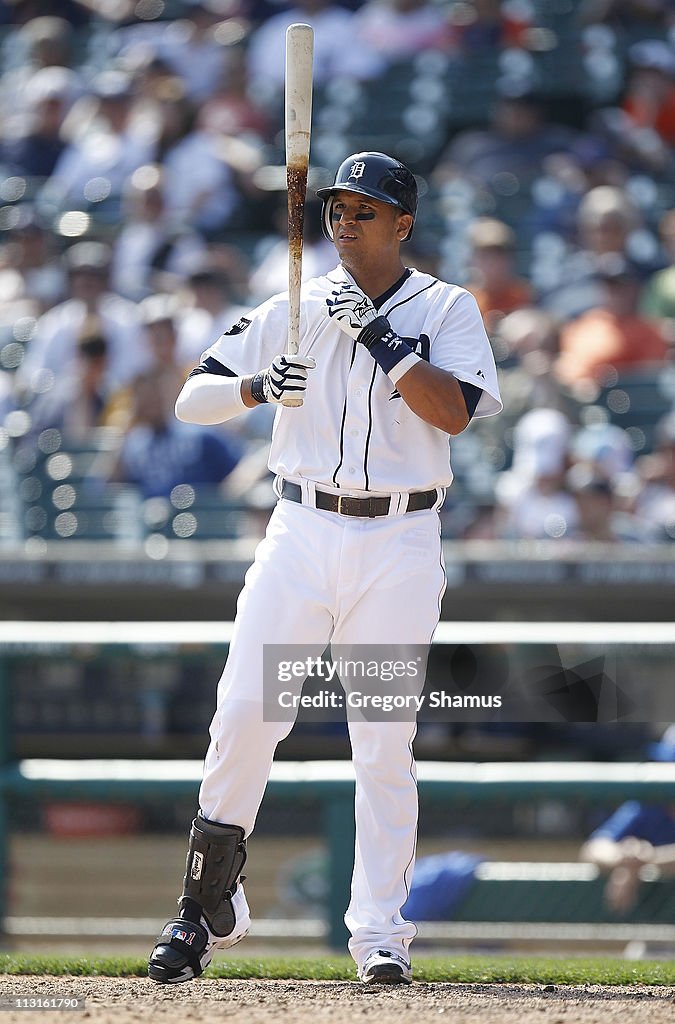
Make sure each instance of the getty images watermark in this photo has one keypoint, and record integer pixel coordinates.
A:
(462, 683)
(367, 683)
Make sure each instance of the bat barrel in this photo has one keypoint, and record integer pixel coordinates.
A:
(299, 57)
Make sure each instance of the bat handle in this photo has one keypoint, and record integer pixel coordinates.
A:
(293, 341)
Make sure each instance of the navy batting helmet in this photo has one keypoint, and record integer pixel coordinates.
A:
(371, 174)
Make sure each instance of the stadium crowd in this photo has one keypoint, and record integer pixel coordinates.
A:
(142, 212)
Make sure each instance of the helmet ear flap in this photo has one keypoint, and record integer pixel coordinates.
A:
(327, 218)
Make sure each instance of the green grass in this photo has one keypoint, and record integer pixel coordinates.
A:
(472, 969)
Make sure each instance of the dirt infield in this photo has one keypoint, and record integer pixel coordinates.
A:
(133, 1000)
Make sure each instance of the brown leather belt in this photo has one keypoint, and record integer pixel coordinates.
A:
(368, 508)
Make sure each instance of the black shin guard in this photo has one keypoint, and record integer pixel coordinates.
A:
(216, 856)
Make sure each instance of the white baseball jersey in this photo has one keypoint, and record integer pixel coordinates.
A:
(354, 431)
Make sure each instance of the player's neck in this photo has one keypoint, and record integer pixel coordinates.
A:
(375, 280)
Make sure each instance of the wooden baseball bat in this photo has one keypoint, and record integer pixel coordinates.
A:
(299, 55)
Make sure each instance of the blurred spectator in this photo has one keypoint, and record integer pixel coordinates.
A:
(195, 47)
(76, 403)
(599, 517)
(53, 349)
(527, 343)
(614, 334)
(634, 836)
(606, 219)
(230, 109)
(337, 50)
(160, 316)
(567, 176)
(43, 42)
(658, 299)
(487, 25)
(36, 150)
(603, 450)
(271, 273)
(199, 185)
(209, 309)
(396, 30)
(151, 250)
(30, 272)
(656, 501)
(158, 452)
(493, 281)
(149, 74)
(650, 92)
(514, 144)
(532, 499)
(642, 127)
(96, 165)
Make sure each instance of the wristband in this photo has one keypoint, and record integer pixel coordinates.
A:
(258, 387)
(384, 345)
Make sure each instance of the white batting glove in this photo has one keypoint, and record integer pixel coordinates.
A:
(285, 377)
(355, 314)
(351, 309)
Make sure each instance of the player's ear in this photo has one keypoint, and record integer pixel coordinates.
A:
(405, 223)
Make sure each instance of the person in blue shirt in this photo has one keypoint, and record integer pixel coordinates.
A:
(636, 835)
(158, 453)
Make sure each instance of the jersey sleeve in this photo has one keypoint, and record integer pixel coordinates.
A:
(252, 343)
(461, 346)
(642, 821)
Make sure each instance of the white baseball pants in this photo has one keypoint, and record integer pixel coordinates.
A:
(320, 577)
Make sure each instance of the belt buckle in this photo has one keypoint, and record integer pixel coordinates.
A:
(339, 504)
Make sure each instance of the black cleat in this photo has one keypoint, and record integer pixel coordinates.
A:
(181, 953)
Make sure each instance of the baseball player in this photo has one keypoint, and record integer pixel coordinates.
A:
(391, 362)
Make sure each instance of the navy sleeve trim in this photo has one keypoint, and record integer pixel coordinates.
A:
(472, 395)
(211, 365)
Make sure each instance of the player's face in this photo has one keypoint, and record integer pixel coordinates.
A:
(365, 227)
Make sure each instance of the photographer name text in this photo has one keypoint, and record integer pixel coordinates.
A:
(357, 699)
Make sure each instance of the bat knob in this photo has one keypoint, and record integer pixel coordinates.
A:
(292, 403)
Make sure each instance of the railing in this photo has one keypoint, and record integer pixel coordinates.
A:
(329, 782)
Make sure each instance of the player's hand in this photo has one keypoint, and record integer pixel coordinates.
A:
(351, 309)
(285, 377)
(355, 315)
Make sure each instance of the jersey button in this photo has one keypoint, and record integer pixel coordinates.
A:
(354, 433)
(351, 471)
(358, 393)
